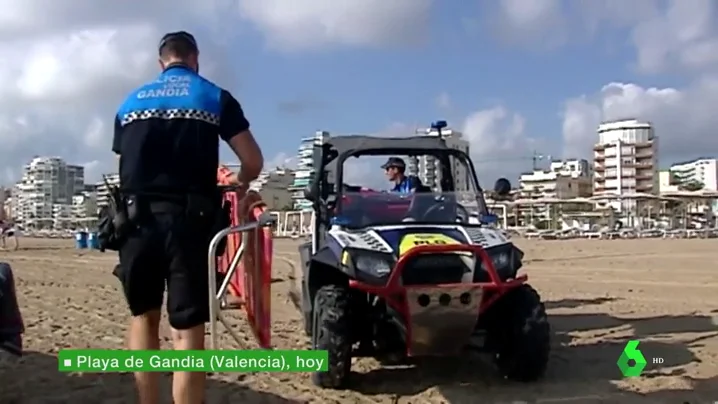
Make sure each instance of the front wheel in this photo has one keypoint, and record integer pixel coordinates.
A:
(331, 332)
(520, 335)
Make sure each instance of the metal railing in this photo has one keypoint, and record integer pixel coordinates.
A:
(217, 297)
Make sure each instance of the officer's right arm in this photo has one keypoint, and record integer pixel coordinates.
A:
(234, 129)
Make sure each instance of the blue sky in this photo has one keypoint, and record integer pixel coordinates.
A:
(351, 89)
(514, 76)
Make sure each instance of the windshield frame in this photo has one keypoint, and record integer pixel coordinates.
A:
(440, 153)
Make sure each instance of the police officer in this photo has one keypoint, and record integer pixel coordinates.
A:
(167, 137)
(395, 169)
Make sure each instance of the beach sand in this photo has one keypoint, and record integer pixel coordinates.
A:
(599, 294)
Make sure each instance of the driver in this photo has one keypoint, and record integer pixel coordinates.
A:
(395, 168)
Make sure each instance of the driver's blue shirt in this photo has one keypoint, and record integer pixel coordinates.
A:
(407, 185)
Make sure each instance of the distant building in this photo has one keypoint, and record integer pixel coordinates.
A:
(305, 169)
(275, 190)
(103, 191)
(84, 205)
(626, 158)
(46, 182)
(427, 167)
(5, 203)
(564, 179)
(700, 174)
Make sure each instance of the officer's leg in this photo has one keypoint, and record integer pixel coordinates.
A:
(188, 301)
(142, 272)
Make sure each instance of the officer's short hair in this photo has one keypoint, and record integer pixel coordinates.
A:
(180, 44)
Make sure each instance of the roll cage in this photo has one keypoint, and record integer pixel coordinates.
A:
(326, 187)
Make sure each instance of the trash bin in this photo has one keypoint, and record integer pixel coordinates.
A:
(81, 240)
(92, 241)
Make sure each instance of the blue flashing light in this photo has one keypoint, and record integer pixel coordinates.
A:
(438, 125)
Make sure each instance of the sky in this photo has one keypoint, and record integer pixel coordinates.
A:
(515, 76)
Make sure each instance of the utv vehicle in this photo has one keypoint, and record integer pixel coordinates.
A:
(391, 275)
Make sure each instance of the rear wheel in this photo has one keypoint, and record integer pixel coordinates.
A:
(520, 335)
(332, 332)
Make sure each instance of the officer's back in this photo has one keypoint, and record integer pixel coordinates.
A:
(169, 141)
(167, 136)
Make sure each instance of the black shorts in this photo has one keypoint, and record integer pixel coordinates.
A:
(168, 249)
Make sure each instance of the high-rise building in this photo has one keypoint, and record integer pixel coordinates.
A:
(46, 181)
(625, 158)
(305, 169)
(427, 167)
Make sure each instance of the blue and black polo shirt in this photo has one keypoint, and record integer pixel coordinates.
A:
(167, 133)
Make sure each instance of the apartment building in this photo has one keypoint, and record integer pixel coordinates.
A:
(427, 167)
(305, 169)
(5, 203)
(46, 181)
(564, 179)
(275, 189)
(625, 158)
(84, 205)
(102, 188)
(700, 172)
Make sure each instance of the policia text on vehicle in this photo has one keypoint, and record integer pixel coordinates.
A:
(167, 137)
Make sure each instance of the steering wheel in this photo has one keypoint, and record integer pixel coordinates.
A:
(461, 212)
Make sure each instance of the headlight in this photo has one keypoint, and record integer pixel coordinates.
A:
(501, 260)
(373, 265)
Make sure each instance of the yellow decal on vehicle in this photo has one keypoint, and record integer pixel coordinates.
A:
(413, 240)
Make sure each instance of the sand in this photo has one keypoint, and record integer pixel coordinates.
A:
(599, 294)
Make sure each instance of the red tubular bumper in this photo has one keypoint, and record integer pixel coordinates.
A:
(394, 293)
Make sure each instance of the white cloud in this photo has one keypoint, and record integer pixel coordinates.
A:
(68, 64)
(536, 22)
(684, 35)
(675, 36)
(685, 119)
(500, 147)
(321, 23)
(667, 35)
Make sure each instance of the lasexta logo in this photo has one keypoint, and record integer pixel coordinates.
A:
(631, 353)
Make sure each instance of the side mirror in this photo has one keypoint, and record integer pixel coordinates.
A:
(308, 194)
(502, 187)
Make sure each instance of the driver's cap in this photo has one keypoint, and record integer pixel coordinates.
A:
(394, 162)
